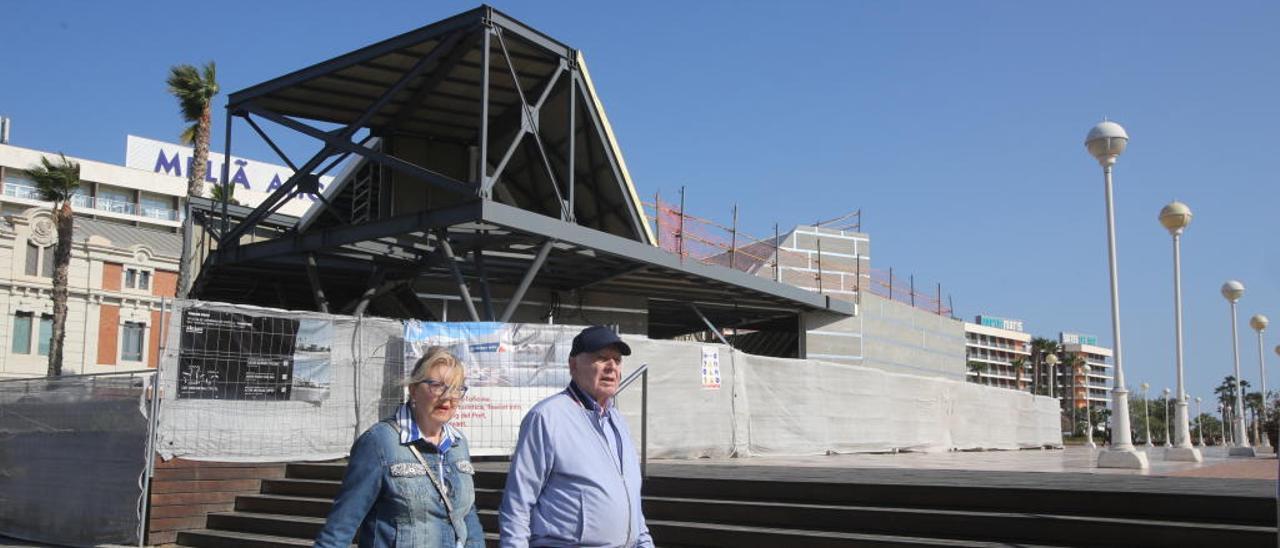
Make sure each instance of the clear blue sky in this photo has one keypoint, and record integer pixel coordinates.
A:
(956, 126)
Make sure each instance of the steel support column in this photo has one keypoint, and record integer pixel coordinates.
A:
(322, 303)
(375, 282)
(573, 134)
(486, 49)
(527, 280)
(226, 172)
(413, 303)
(486, 297)
(710, 325)
(452, 261)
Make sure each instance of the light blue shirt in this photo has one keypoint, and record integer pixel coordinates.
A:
(574, 478)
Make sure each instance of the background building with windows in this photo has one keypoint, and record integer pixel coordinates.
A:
(1076, 389)
(124, 261)
(997, 343)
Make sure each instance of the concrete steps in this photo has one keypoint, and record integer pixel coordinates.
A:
(712, 512)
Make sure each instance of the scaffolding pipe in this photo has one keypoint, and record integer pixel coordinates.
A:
(733, 238)
(657, 216)
(819, 241)
(777, 254)
(680, 232)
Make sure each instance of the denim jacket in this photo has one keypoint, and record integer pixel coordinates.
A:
(388, 499)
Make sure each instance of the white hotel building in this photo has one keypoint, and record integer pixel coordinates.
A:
(1092, 392)
(997, 343)
(124, 257)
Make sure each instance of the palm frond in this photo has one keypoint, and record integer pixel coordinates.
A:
(189, 135)
(194, 91)
(56, 181)
(216, 191)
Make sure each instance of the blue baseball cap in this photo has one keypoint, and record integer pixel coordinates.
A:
(596, 337)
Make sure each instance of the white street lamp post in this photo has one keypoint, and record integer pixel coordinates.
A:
(1199, 422)
(1264, 396)
(1105, 142)
(1166, 419)
(1052, 361)
(1146, 411)
(1222, 424)
(1088, 410)
(1259, 323)
(1175, 217)
(1232, 291)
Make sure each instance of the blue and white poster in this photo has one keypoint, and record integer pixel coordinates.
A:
(509, 368)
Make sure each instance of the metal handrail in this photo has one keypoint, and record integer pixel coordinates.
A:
(644, 367)
(130, 372)
(642, 373)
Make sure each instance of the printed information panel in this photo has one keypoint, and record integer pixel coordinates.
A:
(235, 356)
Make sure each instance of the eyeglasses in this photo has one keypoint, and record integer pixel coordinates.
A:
(438, 388)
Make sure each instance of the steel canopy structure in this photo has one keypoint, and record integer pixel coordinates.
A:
(480, 159)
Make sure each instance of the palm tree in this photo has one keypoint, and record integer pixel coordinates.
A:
(1227, 391)
(1018, 364)
(1253, 405)
(1041, 348)
(1075, 364)
(57, 183)
(1227, 396)
(195, 90)
(216, 191)
(979, 368)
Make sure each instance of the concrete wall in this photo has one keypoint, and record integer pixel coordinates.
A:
(901, 338)
(887, 335)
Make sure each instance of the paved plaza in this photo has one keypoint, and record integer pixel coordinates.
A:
(1072, 459)
(1070, 469)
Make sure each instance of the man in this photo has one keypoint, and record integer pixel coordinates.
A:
(575, 476)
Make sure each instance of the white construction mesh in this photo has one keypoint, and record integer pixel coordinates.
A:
(227, 396)
(779, 406)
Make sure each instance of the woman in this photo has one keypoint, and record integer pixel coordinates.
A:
(409, 480)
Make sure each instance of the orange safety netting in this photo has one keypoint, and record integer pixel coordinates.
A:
(710, 242)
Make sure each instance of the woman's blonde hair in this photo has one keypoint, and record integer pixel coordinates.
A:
(438, 356)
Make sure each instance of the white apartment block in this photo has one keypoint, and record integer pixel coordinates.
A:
(1076, 389)
(997, 343)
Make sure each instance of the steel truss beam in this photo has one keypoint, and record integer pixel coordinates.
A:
(434, 31)
(341, 141)
(335, 237)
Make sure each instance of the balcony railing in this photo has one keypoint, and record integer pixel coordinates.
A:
(100, 204)
(24, 192)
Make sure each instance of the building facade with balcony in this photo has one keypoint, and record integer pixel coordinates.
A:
(998, 344)
(124, 258)
(124, 261)
(1078, 390)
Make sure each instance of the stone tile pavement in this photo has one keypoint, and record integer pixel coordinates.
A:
(1071, 468)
